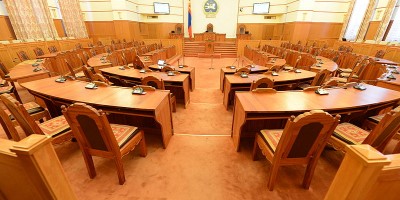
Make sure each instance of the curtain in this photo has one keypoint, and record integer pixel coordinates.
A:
(385, 21)
(367, 20)
(72, 18)
(30, 19)
(347, 19)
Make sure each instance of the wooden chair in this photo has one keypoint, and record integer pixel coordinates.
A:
(53, 49)
(349, 134)
(167, 69)
(38, 51)
(318, 80)
(22, 56)
(4, 77)
(159, 84)
(273, 68)
(380, 54)
(78, 46)
(243, 70)
(8, 126)
(301, 142)
(97, 137)
(57, 127)
(264, 82)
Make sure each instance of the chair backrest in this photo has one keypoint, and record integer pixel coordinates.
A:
(78, 46)
(87, 72)
(20, 114)
(53, 49)
(3, 69)
(320, 77)
(38, 51)
(264, 90)
(273, 68)
(167, 69)
(100, 78)
(91, 128)
(154, 82)
(22, 55)
(8, 126)
(384, 130)
(305, 136)
(380, 54)
(144, 87)
(243, 70)
(264, 82)
(70, 68)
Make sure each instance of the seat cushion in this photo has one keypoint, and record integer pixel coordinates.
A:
(287, 67)
(271, 137)
(6, 89)
(340, 80)
(376, 118)
(347, 75)
(123, 133)
(350, 133)
(55, 126)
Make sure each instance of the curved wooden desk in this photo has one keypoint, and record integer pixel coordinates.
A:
(393, 84)
(178, 84)
(256, 111)
(184, 70)
(255, 69)
(23, 72)
(151, 112)
(235, 82)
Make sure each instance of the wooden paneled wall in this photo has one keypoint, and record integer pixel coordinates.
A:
(295, 31)
(6, 30)
(129, 30)
(8, 52)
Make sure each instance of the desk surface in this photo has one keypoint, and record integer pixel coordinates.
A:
(184, 69)
(110, 96)
(282, 77)
(24, 70)
(96, 61)
(326, 64)
(135, 73)
(299, 101)
(48, 55)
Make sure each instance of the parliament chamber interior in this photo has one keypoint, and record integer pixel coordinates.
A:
(210, 99)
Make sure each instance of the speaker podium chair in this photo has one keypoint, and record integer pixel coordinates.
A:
(97, 137)
(301, 142)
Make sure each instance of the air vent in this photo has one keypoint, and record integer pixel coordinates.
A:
(152, 17)
(269, 17)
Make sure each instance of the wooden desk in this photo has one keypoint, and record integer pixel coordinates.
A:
(97, 63)
(235, 82)
(151, 112)
(256, 69)
(256, 111)
(179, 84)
(23, 72)
(184, 70)
(393, 84)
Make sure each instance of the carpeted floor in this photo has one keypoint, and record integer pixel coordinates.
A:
(200, 161)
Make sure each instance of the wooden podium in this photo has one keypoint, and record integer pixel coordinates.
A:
(209, 36)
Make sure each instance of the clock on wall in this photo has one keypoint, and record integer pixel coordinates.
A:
(210, 8)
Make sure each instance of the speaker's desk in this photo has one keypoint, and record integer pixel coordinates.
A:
(151, 112)
(256, 111)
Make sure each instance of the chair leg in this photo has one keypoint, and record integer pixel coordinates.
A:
(309, 173)
(120, 170)
(142, 146)
(272, 176)
(89, 164)
(255, 149)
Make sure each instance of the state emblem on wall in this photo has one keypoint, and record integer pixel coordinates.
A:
(210, 8)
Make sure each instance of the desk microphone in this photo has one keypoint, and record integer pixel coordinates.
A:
(234, 62)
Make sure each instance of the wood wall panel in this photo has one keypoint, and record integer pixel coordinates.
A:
(101, 30)
(263, 31)
(60, 27)
(6, 30)
(372, 29)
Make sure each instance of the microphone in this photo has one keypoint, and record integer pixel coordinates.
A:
(234, 62)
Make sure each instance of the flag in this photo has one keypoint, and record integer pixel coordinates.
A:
(189, 20)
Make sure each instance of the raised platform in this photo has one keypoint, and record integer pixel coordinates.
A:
(209, 55)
